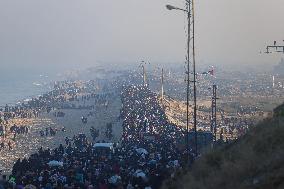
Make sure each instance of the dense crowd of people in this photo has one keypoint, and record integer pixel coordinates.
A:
(66, 94)
(150, 150)
(148, 153)
(10, 130)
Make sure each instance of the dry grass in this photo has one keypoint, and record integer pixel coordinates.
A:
(254, 161)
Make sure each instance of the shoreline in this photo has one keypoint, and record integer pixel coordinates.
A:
(98, 116)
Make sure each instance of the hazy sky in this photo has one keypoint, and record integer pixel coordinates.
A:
(83, 32)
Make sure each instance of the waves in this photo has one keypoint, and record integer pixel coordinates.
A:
(14, 90)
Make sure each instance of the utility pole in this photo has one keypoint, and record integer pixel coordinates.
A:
(145, 84)
(275, 47)
(162, 87)
(213, 127)
(191, 36)
(144, 76)
(190, 60)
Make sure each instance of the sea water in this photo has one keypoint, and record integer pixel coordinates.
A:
(19, 82)
(17, 87)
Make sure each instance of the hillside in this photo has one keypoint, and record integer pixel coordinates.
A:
(254, 161)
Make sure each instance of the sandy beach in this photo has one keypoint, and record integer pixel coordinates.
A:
(29, 143)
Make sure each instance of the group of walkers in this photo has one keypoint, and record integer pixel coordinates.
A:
(15, 130)
(32, 108)
(49, 131)
(9, 132)
(148, 153)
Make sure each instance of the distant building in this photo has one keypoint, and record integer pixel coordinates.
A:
(279, 69)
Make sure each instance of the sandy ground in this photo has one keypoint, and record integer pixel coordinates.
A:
(26, 144)
(176, 111)
(29, 143)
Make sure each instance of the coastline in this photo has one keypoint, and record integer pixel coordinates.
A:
(28, 143)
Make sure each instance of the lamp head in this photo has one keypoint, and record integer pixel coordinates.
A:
(170, 7)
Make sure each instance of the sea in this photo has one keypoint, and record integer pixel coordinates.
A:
(18, 86)
(21, 82)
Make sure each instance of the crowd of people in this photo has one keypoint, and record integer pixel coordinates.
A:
(9, 130)
(148, 153)
(62, 94)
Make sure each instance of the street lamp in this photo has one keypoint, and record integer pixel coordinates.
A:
(170, 7)
(190, 39)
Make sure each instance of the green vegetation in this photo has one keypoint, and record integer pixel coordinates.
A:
(254, 161)
(279, 111)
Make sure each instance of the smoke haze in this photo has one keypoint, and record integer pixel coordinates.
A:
(71, 33)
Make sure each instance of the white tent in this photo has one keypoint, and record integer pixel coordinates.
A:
(104, 145)
(141, 151)
(114, 179)
(139, 173)
(54, 163)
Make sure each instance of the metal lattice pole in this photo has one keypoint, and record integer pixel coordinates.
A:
(213, 127)
(190, 60)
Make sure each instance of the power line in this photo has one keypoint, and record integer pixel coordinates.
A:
(276, 48)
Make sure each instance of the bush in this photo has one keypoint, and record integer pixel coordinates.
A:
(254, 161)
